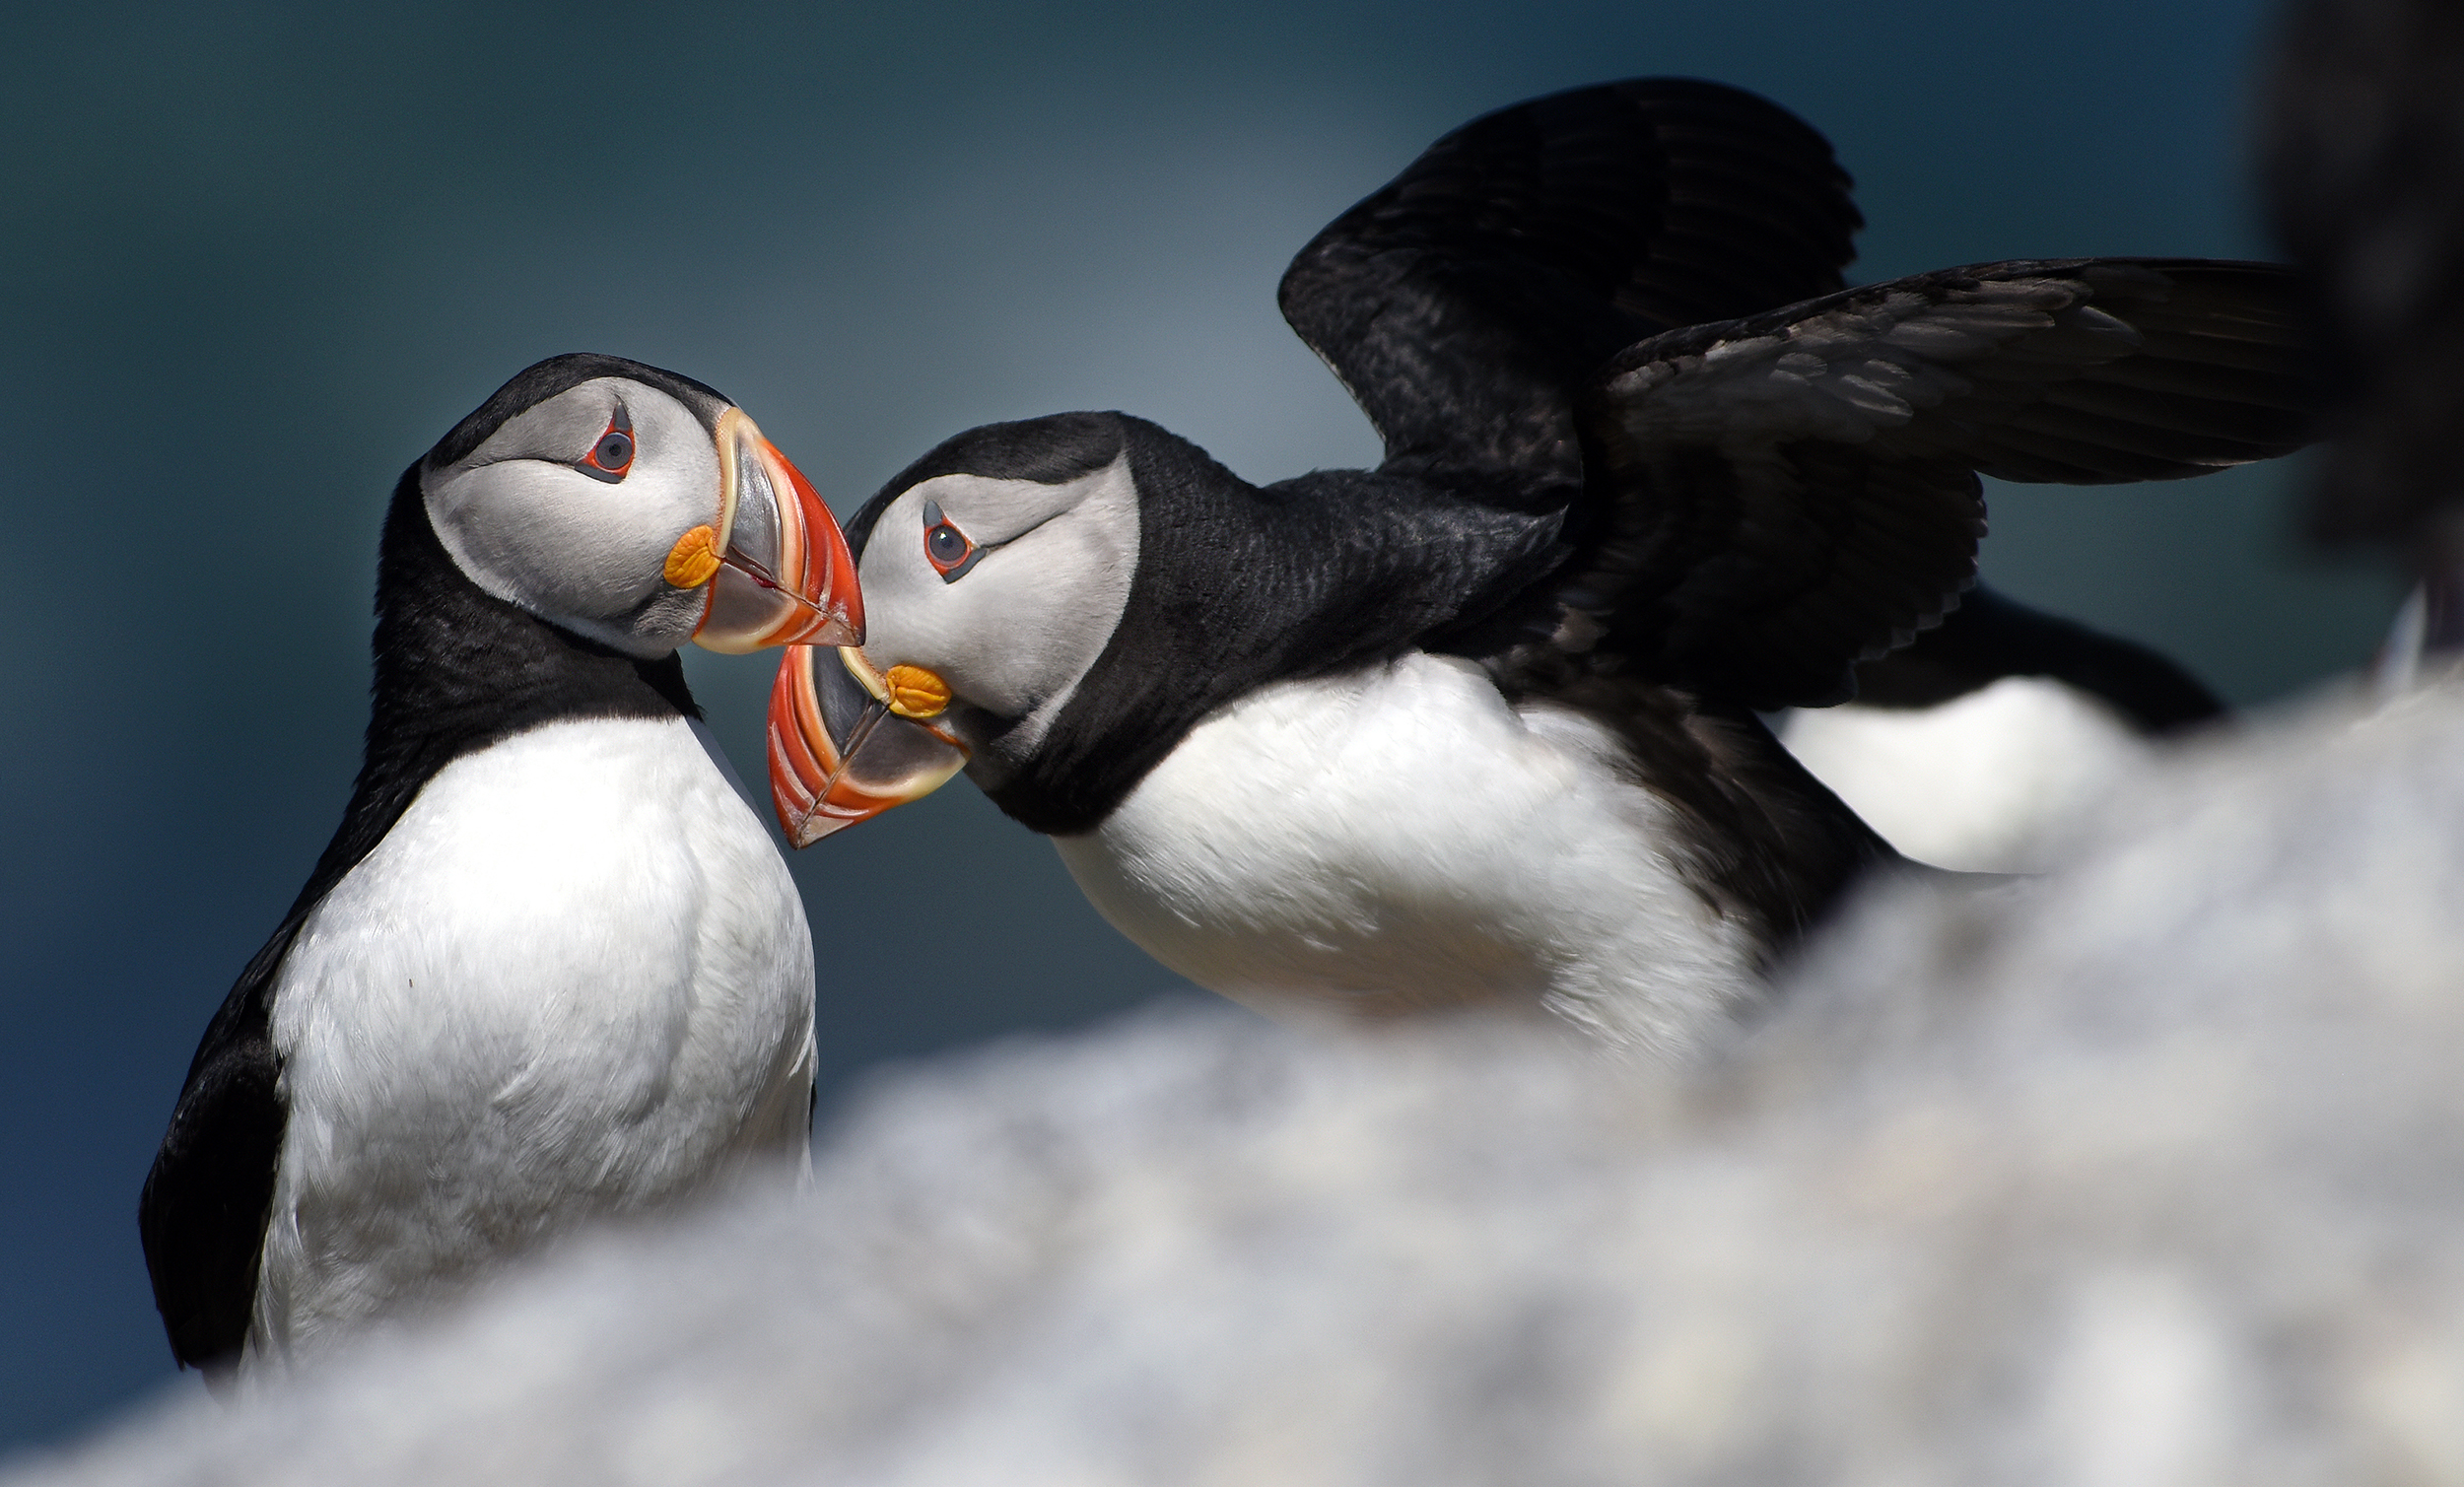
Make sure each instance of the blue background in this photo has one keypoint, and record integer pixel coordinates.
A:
(256, 261)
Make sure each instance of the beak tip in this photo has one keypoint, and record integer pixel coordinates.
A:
(839, 630)
(837, 755)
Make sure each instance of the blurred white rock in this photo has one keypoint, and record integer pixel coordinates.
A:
(2150, 1172)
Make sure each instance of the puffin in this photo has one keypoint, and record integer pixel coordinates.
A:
(551, 968)
(1483, 727)
(1974, 746)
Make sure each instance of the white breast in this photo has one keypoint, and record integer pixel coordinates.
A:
(575, 979)
(1400, 838)
(1982, 783)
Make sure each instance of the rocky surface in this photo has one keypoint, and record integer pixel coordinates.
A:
(2148, 1172)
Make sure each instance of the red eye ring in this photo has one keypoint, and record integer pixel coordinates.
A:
(950, 551)
(611, 453)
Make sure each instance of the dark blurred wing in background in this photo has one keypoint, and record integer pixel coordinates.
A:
(2363, 153)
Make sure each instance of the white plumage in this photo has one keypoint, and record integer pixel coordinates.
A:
(574, 979)
(1400, 838)
(1985, 782)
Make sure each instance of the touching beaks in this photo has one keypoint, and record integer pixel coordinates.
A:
(777, 565)
(847, 742)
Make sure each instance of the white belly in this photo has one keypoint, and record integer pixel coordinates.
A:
(573, 980)
(1983, 782)
(1400, 838)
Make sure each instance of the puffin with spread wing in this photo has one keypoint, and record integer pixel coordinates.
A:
(1481, 725)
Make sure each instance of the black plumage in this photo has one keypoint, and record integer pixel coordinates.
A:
(1991, 636)
(1812, 499)
(1467, 302)
(456, 669)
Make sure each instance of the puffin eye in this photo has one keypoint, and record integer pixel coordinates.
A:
(947, 548)
(612, 456)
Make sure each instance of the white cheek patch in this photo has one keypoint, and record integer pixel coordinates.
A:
(1018, 631)
(532, 530)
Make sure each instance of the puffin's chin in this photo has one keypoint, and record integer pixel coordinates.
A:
(784, 575)
(652, 632)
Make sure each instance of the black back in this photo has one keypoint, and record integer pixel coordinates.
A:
(1990, 636)
(456, 669)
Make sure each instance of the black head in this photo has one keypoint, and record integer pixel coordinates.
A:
(614, 501)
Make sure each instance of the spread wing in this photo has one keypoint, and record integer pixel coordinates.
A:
(1467, 302)
(1749, 499)
(1773, 499)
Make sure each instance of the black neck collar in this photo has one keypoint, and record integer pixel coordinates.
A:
(458, 669)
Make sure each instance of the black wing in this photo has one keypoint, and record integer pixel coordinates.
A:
(1774, 499)
(1467, 302)
(202, 1214)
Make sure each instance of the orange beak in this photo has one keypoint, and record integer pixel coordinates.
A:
(847, 742)
(777, 565)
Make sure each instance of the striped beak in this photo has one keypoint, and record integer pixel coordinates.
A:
(847, 742)
(777, 565)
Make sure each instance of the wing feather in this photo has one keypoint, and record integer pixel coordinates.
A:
(1468, 302)
(1618, 310)
(202, 1214)
(1777, 497)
